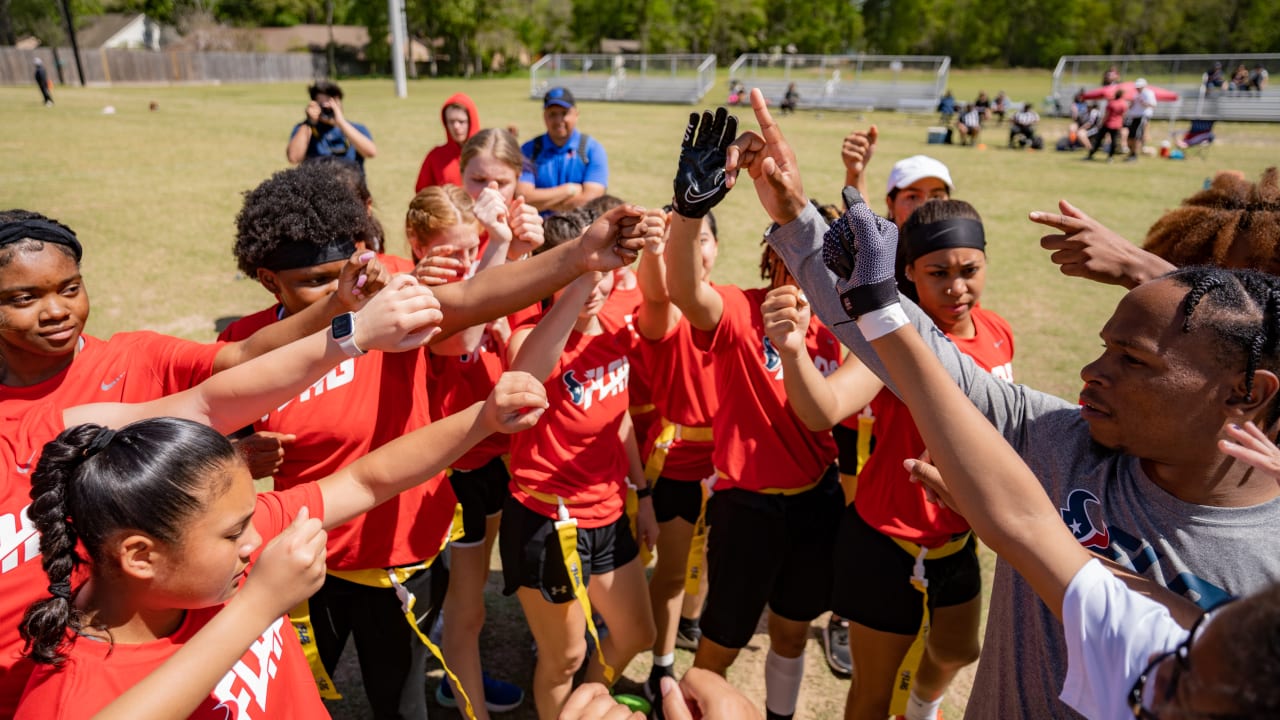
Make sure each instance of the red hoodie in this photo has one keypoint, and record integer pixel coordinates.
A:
(441, 164)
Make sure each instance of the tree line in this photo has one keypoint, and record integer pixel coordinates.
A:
(1021, 33)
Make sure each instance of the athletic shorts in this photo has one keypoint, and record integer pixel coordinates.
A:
(847, 448)
(531, 556)
(1137, 128)
(481, 492)
(873, 579)
(677, 499)
(772, 550)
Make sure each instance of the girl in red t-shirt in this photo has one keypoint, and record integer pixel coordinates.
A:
(575, 467)
(444, 223)
(890, 523)
(166, 512)
(678, 450)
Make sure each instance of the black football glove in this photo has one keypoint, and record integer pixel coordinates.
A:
(699, 183)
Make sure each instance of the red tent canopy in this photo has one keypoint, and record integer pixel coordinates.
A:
(1106, 92)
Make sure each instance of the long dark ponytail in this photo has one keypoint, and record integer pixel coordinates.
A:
(91, 482)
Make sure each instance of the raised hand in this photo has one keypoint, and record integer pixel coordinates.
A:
(263, 451)
(516, 403)
(700, 178)
(403, 316)
(491, 210)
(859, 248)
(614, 239)
(786, 319)
(439, 266)
(770, 162)
(1086, 248)
(526, 228)
(291, 566)
(361, 278)
(1248, 444)
(855, 153)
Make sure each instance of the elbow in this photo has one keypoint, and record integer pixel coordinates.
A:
(370, 152)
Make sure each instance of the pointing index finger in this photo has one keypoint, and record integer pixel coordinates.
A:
(1061, 222)
(768, 128)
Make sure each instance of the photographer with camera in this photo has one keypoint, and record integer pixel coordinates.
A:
(327, 132)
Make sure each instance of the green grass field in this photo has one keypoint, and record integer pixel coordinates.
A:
(153, 196)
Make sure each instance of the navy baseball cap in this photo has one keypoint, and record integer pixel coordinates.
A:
(558, 96)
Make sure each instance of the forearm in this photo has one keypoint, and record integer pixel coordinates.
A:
(857, 180)
(1144, 266)
(502, 290)
(405, 462)
(548, 198)
(312, 319)
(688, 291)
(235, 397)
(808, 393)
(635, 462)
(361, 142)
(296, 151)
(543, 346)
(656, 315)
(176, 688)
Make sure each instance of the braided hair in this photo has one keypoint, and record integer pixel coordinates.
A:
(91, 482)
(1242, 308)
(1232, 223)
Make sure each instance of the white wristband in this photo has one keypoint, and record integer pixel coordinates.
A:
(878, 323)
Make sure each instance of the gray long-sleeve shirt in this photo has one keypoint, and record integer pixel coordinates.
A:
(1112, 507)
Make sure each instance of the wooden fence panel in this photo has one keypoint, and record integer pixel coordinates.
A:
(103, 66)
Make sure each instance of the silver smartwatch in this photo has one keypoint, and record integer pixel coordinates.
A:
(343, 331)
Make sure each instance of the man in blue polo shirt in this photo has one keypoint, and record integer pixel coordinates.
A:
(569, 167)
(326, 131)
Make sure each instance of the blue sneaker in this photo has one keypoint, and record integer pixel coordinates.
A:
(499, 696)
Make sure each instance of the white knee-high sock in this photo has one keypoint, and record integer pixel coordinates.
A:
(782, 678)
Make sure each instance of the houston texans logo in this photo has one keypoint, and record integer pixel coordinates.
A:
(1076, 516)
(771, 358)
(576, 391)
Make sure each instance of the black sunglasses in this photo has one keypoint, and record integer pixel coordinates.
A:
(1181, 656)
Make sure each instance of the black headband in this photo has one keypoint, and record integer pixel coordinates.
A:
(42, 230)
(943, 235)
(293, 255)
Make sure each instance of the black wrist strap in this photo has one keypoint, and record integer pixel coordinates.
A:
(860, 300)
(644, 492)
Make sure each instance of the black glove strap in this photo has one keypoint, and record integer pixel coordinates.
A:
(858, 301)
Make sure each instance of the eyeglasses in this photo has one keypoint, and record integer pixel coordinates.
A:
(1181, 659)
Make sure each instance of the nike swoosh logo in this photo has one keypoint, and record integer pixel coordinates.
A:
(998, 343)
(693, 197)
(108, 385)
(24, 468)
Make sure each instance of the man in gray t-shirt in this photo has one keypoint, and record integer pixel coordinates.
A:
(1134, 468)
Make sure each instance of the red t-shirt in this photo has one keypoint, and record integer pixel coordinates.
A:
(458, 381)
(130, 367)
(688, 380)
(271, 680)
(357, 407)
(622, 307)
(22, 579)
(574, 451)
(1115, 114)
(887, 500)
(760, 444)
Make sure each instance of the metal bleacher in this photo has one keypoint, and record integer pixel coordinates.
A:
(1184, 74)
(906, 83)
(668, 78)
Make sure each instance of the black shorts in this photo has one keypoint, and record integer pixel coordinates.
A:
(847, 448)
(677, 499)
(769, 549)
(1137, 128)
(873, 579)
(481, 492)
(531, 556)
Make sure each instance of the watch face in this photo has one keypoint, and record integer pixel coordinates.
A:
(342, 326)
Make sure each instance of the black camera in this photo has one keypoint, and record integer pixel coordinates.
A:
(326, 113)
